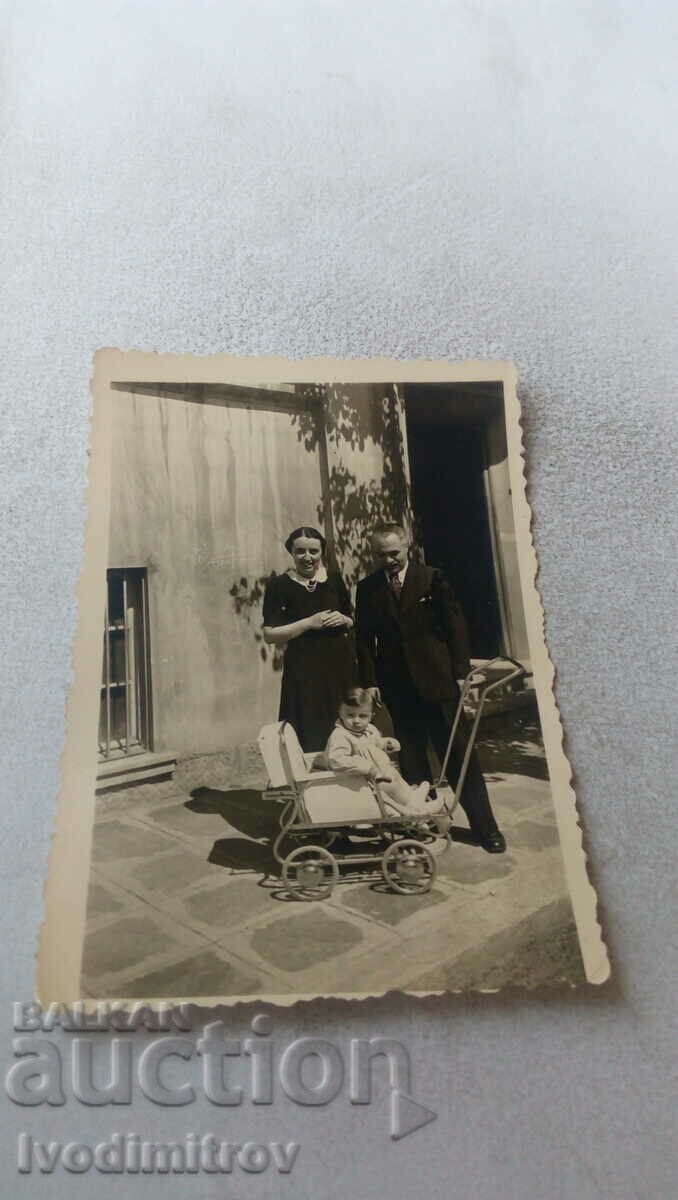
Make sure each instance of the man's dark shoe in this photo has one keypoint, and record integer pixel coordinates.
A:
(495, 843)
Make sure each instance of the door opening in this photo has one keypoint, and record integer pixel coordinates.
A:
(449, 500)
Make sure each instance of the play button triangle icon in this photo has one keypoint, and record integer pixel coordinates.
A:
(408, 1116)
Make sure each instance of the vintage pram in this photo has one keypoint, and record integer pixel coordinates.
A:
(330, 819)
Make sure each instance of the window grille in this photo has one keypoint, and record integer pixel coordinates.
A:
(125, 716)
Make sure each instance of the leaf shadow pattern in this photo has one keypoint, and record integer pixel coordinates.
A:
(341, 423)
(247, 596)
(350, 421)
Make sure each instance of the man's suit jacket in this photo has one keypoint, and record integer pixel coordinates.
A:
(417, 640)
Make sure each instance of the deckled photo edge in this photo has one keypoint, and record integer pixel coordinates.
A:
(582, 893)
(61, 935)
(65, 891)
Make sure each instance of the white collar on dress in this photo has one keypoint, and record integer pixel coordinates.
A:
(319, 577)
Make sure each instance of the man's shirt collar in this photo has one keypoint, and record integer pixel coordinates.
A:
(400, 574)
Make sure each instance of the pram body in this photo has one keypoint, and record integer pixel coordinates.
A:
(330, 819)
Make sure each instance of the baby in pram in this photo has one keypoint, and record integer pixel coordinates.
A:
(356, 747)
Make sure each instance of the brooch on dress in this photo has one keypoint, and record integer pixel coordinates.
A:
(309, 584)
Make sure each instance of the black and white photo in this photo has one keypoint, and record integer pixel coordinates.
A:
(313, 747)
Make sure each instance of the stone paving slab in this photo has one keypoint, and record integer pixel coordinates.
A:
(207, 973)
(534, 835)
(101, 901)
(185, 901)
(381, 904)
(449, 934)
(233, 903)
(465, 865)
(305, 941)
(300, 941)
(119, 945)
(541, 950)
(176, 945)
(172, 873)
(127, 940)
(121, 839)
(177, 818)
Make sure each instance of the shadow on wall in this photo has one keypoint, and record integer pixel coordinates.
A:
(348, 425)
(247, 598)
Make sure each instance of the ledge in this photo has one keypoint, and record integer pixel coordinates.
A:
(136, 768)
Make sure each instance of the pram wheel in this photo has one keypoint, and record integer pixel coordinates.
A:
(409, 867)
(310, 873)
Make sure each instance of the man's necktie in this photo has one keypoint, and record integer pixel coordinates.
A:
(396, 586)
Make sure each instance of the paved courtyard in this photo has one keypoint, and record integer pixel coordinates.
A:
(180, 904)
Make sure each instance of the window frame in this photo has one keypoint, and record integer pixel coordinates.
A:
(135, 689)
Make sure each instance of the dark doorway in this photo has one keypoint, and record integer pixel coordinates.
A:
(447, 463)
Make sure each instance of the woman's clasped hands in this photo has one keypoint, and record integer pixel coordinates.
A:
(329, 619)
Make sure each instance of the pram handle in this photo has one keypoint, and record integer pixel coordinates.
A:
(515, 671)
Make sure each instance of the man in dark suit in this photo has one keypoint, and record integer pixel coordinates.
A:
(410, 655)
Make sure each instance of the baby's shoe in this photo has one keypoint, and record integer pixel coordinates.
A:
(420, 794)
(434, 802)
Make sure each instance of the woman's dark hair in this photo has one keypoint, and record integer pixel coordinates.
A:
(306, 531)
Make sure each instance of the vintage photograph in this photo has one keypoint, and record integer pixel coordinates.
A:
(312, 746)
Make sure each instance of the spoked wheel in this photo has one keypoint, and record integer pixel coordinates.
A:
(409, 867)
(310, 873)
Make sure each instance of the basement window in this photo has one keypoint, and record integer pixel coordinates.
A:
(125, 714)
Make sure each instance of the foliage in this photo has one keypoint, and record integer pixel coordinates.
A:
(352, 423)
(341, 423)
(247, 597)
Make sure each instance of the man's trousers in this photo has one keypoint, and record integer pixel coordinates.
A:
(414, 722)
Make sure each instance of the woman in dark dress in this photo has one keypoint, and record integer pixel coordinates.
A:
(308, 612)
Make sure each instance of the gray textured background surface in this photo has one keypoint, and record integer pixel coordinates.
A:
(417, 180)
